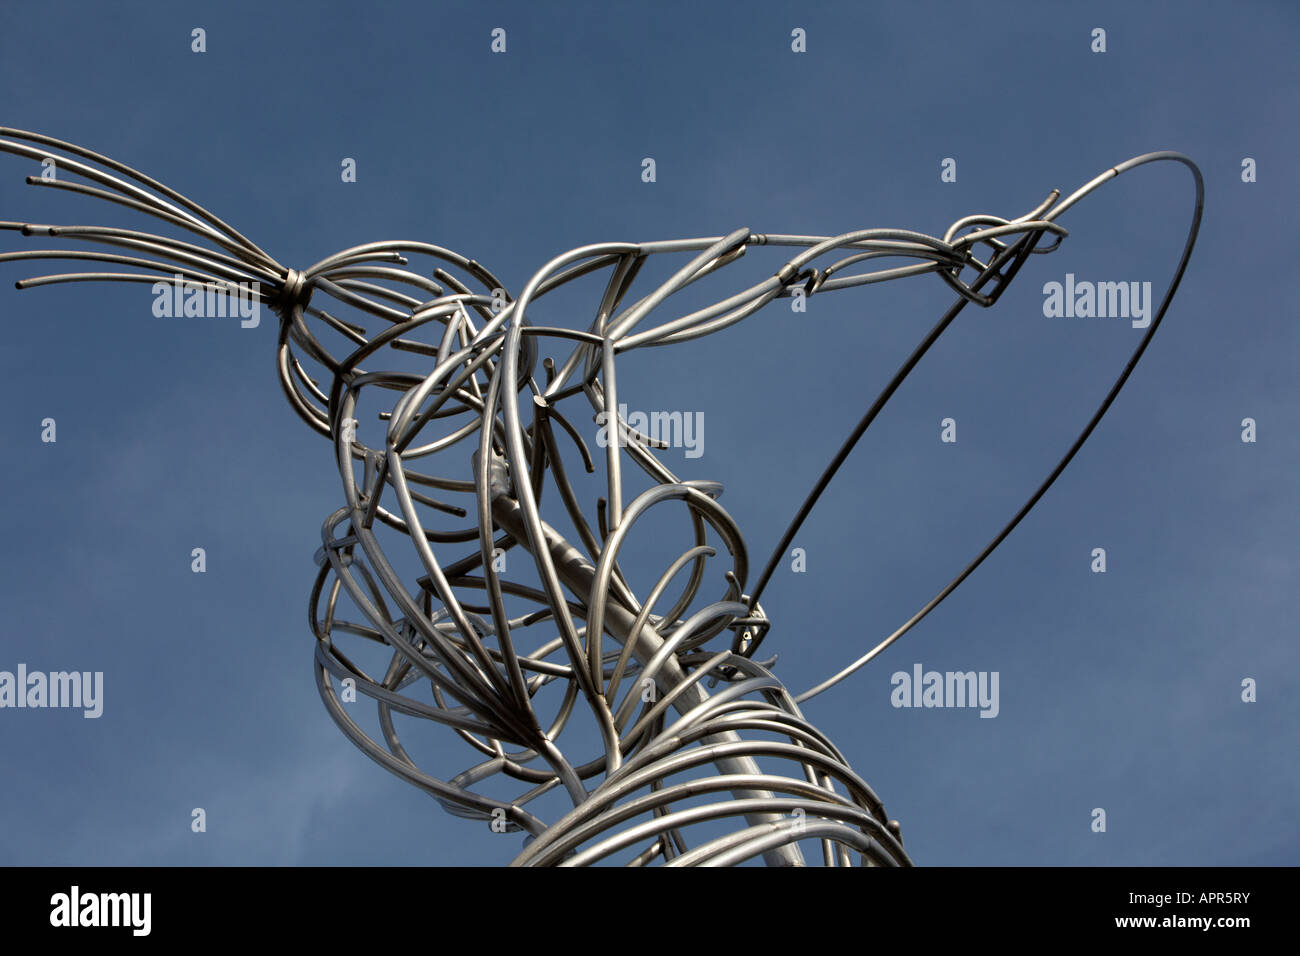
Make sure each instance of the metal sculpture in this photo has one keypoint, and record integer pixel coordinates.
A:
(508, 662)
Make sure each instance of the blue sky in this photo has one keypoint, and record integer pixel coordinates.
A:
(1118, 690)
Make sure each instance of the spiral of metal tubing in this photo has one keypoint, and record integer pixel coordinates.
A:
(662, 768)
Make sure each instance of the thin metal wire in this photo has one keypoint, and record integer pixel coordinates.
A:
(508, 663)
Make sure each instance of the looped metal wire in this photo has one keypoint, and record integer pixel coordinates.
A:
(563, 675)
(295, 290)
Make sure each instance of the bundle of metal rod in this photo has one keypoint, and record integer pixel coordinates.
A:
(559, 676)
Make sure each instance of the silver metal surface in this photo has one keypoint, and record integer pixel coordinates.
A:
(669, 739)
